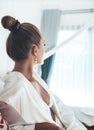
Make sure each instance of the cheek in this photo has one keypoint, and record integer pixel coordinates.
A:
(40, 55)
(43, 51)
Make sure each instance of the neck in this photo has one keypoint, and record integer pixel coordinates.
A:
(25, 68)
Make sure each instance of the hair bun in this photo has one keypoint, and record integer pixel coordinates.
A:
(10, 23)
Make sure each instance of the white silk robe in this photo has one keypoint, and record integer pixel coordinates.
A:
(21, 94)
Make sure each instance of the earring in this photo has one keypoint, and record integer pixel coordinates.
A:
(35, 60)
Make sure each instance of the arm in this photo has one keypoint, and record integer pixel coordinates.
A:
(46, 126)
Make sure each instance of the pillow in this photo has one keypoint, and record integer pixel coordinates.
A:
(10, 114)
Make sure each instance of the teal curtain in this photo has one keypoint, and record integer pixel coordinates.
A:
(50, 26)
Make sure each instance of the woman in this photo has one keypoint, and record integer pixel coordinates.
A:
(24, 89)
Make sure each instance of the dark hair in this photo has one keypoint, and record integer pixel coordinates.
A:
(21, 37)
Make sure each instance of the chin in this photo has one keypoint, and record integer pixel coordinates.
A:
(41, 63)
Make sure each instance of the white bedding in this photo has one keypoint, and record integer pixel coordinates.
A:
(84, 114)
(88, 111)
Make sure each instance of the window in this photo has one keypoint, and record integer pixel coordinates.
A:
(72, 77)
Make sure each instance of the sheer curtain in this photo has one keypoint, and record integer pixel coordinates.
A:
(73, 73)
(50, 26)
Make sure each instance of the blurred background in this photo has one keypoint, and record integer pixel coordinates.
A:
(68, 29)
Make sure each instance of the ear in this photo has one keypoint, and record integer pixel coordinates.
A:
(35, 50)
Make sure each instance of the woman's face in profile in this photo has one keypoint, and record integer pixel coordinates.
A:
(41, 51)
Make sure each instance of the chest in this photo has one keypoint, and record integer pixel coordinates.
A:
(42, 92)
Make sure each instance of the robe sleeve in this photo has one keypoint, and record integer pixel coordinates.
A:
(9, 95)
